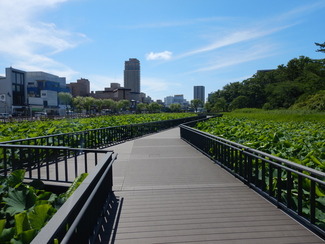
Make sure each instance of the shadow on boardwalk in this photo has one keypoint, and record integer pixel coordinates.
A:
(172, 193)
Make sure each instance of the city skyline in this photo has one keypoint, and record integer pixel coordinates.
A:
(179, 45)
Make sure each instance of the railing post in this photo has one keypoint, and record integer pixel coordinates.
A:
(300, 195)
(312, 201)
(279, 184)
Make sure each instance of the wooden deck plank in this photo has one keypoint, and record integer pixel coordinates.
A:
(174, 194)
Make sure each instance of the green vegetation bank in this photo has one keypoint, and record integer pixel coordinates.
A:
(22, 130)
(299, 85)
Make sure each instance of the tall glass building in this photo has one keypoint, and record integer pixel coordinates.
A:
(199, 93)
(132, 75)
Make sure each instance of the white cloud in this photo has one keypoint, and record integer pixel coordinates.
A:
(166, 55)
(29, 43)
(236, 57)
(234, 38)
(178, 23)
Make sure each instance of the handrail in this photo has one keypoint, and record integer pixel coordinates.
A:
(290, 186)
(47, 163)
(102, 137)
(254, 151)
(76, 220)
(51, 149)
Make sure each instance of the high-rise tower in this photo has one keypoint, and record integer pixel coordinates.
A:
(132, 75)
(199, 93)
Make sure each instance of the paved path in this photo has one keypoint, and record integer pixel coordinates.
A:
(174, 194)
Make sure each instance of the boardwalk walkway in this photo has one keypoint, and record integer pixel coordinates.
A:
(174, 194)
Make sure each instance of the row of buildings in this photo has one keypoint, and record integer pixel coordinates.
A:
(24, 92)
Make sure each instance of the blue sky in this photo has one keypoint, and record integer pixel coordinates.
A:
(180, 43)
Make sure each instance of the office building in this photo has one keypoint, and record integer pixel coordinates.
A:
(199, 93)
(23, 93)
(13, 91)
(80, 88)
(132, 75)
(179, 99)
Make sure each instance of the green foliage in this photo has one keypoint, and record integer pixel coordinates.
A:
(18, 201)
(298, 137)
(65, 98)
(196, 103)
(154, 107)
(26, 209)
(321, 47)
(314, 102)
(239, 102)
(273, 89)
(22, 130)
(123, 105)
(74, 185)
(175, 107)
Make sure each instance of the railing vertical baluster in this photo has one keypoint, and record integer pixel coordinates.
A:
(289, 188)
(312, 201)
(57, 169)
(86, 162)
(232, 160)
(38, 164)
(263, 186)
(240, 161)
(300, 195)
(257, 180)
(75, 164)
(47, 152)
(271, 180)
(279, 184)
(29, 160)
(96, 158)
(249, 168)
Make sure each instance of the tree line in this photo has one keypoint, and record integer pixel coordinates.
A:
(298, 85)
(94, 105)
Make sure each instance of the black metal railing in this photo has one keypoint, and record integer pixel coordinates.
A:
(38, 153)
(296, 189)
(48, 163)
(78, 218)
(102, 137)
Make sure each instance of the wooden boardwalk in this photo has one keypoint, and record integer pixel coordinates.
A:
(171, 193)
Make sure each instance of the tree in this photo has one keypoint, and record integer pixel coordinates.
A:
(196, 103)
(284, 94)
(220, 105)
(88, 103)
(65, 98)
(175, 107)
(99, 103)
(322, 47)
(313, 102)
(109, 104)
(78, 103)
(239, 102)
(154, 107)
(123, 105)
(142, 107)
